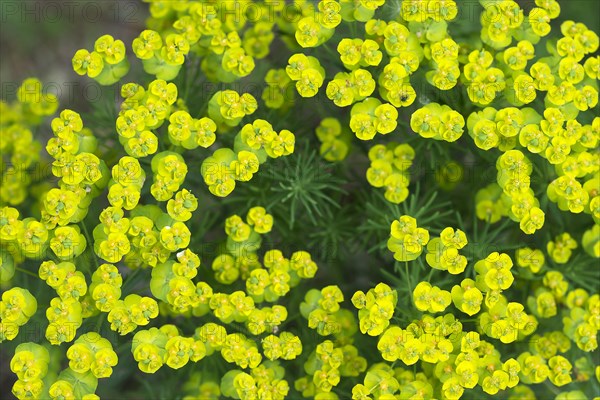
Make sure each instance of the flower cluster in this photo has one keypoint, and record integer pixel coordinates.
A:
(307, 72)
(262, 381)
(16, 308)
(438, 122)
(91, 352)
(155, 347)
(334, 140)
(375, 308)
(19, 151)
(278, 93)
(483, 81)
(105, 288)
(370, 117)
(389, 169)
(30, 364)
(133, 311)
(322, 310)
(442, 252)
(407, 241)
(325, 367)
(106, 64)
(144, 110)
(253, 145)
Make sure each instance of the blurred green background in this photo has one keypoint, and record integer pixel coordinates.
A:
(39, 37)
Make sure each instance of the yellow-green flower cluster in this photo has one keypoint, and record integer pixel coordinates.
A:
(356, 53)
(228, 107)
(491, 128)
(348, 88)
(70, 384)
(443, 252)
(161, 56)
(532, 259)
(322, 309)
(241, 351)
(429, 340)
(571, 196)
(133, 311)
(560, 249)
(110, 236)
(556, 135)
(307, 72)
(172, 282)
(550, 344)
(376, 308)
(317, 26)
(407, 241)
(127, 180)
(64, 278)
(19, 151)
(236, 306)
(106, 64)
(286, 346)
(507, 322)
(83, 175)
(66, 313)
(438, 122)
(254, 143)
(370, 117)
(362, 10)
(389, 169)
(279, 275)
(431, 11)
(105, 288)
(213, 31)
(581, 323)
(65, 317)
(17, 306)
(252, 319)
(506, 20)
(483, 81)
(380, 382)
(10, 226)
(144, 110)
(268, 319)
(444, 60)
(325, 367)
(264, 381)
(514, 170)
(278, 94)
(334, 139)
(494, 275)
(91, 352)
(30, 364)
(430, 298)
(467, 297)
(156, 347)
(169, 171)
(405, 53)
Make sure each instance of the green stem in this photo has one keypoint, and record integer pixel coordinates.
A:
(26, 272)
(90, 243)
(408, 279)
(100, 322)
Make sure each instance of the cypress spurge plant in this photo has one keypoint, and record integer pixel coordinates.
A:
(338, 199)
